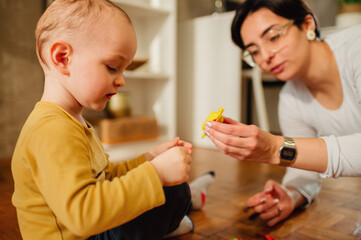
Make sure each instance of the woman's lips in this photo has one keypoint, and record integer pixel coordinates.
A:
(277, 69)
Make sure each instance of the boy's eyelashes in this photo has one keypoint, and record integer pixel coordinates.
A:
(112, 69)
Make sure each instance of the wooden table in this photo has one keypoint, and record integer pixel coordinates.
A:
(335, 214)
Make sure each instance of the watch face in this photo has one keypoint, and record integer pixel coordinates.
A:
(288, 153)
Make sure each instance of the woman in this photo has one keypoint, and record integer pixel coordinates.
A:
(319, 108)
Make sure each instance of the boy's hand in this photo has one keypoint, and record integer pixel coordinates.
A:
(173, 165)
(167, 145)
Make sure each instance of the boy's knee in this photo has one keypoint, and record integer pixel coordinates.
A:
(179, 195)
(185, 194)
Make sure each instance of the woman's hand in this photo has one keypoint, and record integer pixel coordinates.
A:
(244, 142)
(274, 204)
(167, 145)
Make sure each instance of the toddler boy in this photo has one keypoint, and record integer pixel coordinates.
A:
(65, 187)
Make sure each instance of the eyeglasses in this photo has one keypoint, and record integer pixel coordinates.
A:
(273, 40)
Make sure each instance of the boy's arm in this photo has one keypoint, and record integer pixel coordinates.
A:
(121, 168)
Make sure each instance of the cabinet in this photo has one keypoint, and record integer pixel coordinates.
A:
(209, 74)
(151, 88)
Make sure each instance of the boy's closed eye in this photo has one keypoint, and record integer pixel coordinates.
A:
(112, 69)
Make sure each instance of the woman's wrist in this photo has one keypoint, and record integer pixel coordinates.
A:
(297, 198)
(278, 142)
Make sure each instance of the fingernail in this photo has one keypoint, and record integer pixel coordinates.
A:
(269, 189)
(209, 124)
(276, 200)
(262, 200)
(206, 128)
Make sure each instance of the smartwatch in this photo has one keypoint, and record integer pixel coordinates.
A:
(287, 152)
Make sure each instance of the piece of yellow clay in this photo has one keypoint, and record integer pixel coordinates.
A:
(214, 116)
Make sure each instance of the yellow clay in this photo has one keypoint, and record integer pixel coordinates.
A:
(214, 116)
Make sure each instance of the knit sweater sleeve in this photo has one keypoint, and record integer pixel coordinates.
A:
(344, 152)
(307, 183)
(344, 155)
(86, 206)
(116, 169)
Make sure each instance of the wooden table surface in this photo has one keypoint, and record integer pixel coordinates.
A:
(335, 214)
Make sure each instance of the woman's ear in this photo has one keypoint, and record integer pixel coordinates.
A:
(61, 53)
(309, 23)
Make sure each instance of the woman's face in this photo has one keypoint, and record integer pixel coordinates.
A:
(287, 58)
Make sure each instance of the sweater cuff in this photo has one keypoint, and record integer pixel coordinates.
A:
(307, 183)
(155, 181)
(332, 150)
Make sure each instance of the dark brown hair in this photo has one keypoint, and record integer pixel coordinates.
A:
(290, 9)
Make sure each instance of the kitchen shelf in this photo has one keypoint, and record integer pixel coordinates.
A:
(140, 75)
(151, 87)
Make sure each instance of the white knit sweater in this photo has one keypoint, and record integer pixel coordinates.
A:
(302, 116)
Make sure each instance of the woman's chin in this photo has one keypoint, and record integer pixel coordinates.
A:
(284, 77)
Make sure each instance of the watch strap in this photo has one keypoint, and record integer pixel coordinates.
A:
(287, 143)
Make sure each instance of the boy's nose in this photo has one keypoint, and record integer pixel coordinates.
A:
(119, 81)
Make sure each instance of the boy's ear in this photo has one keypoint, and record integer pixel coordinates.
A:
(61, 53)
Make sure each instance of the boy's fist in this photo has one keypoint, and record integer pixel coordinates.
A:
(173, 166)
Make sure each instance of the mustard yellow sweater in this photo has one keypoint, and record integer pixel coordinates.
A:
(65, 187)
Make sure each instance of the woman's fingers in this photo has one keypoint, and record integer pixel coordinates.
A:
(278, 218)
(231, 127)
(273, 204)
(271, 213)
(244, 149)
(268, 204)
(229, 121)
(234, 151)
(255, 200)
(228, 140)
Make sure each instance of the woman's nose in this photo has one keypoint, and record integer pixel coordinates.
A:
(266, 55)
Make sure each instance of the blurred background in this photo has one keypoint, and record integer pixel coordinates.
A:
(21, 78)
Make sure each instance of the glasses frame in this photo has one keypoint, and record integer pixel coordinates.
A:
(248, 58)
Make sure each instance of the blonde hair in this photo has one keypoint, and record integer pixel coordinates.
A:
(70, 16)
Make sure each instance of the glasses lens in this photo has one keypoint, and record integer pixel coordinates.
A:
(247, 57)
(274, 40)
